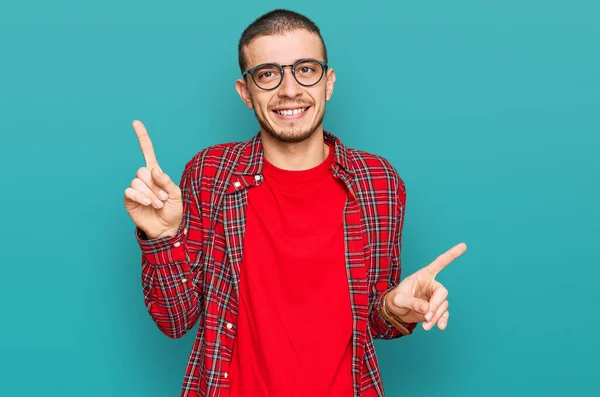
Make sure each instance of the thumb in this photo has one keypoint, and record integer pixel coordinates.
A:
(164, 181)
(418, 305)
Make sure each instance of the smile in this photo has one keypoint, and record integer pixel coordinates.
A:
(291, 112)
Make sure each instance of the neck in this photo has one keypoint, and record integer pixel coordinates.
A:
(295, 156)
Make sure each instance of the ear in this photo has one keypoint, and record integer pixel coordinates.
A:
(330, 83)
(242, 89)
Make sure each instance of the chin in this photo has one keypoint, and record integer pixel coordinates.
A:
(287, 135)
(290, 134)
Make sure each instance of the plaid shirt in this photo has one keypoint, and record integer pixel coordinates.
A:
(194, 275)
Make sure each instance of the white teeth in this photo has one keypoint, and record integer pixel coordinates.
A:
(288, 112)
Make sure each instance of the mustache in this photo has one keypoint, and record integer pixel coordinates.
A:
(292, 104)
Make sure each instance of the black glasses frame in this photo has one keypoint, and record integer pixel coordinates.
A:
(281, 69)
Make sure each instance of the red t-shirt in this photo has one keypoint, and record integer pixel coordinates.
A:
(294, 327)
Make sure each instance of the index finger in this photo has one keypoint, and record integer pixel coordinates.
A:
(145, 144)
(443, 260)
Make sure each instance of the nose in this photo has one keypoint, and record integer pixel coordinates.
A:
(289, 87)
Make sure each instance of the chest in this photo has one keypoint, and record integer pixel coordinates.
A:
(362, 219)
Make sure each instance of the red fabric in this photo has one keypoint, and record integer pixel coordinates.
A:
(293, 263)
(193, 277)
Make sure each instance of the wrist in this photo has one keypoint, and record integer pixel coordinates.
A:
(167, 233)
(388, 301)
(390, 317)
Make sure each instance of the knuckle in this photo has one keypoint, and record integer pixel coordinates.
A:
(442, 309)
(133, 195)
(142, 172)
(137, 183)
(160, 180)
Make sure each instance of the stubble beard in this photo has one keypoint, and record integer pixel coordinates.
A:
(290, 134)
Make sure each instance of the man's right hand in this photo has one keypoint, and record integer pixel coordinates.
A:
(153, 200)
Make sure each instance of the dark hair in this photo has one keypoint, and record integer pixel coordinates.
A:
(272, 23)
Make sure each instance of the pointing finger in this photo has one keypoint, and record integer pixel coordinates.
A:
(145, 144)
(443, 260)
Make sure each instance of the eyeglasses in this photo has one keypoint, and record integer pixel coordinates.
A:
(268, 76)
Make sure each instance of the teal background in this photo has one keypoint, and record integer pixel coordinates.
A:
(489, 111)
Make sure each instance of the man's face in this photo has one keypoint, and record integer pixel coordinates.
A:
(308, 102)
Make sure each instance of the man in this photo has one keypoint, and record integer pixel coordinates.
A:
(285, 248)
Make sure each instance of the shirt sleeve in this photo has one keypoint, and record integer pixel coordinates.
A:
(390, 278)
(171, 268)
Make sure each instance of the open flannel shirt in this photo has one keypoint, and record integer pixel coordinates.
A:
(193, 276)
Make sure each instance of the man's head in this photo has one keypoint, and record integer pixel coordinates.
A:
(289, 108)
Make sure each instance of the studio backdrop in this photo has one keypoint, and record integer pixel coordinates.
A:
(488, 110)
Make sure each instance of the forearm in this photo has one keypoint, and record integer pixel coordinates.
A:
(385, 326)
(170, 294)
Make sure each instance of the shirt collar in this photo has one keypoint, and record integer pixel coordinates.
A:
(251, 156)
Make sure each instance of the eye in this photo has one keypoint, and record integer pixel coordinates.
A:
(267, 73)
(305, 69)
(308, 68)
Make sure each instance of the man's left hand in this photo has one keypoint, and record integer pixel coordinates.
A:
(420, 297)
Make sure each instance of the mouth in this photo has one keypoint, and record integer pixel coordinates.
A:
(291, 113)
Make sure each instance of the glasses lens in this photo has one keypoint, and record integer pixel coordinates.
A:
(267, 76)
(308, 72)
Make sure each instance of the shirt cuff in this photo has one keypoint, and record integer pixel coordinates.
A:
(162, 251)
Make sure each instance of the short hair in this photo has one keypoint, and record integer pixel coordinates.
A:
(276, 22)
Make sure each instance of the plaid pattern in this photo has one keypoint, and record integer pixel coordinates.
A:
(193, 276)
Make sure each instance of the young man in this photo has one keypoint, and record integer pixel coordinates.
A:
(285, 248)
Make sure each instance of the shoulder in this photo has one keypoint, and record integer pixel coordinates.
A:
(375, 171)
(216, 154)
(214, 158)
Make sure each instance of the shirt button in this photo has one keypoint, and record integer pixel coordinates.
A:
(225, 375)
(257, 178)
(237, 184)
(177, 244)
(229, 325)
(184, 280)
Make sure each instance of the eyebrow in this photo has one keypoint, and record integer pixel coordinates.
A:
(296, 60)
